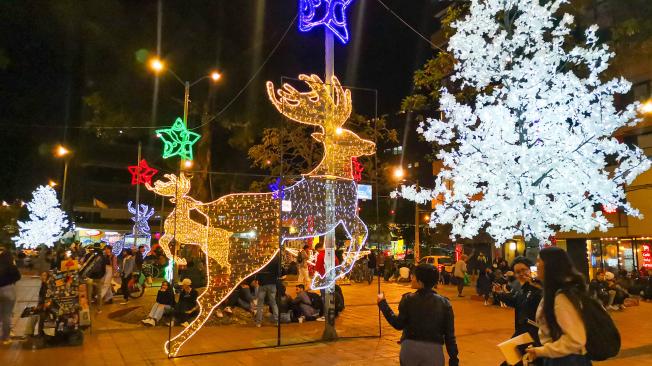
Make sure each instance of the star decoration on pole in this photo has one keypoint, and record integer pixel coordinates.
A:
(329, 13)
(278, 190)
(178, 140)
(141, 173)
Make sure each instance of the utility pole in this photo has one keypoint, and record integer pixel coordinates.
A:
(417, 244)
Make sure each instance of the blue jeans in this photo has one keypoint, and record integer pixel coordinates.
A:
(7, 302)
(268, 291)
(570, 360)
(158, 310)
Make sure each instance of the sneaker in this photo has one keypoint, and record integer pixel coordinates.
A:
(185, 324)
(124, 303)
(321, 319)
(99, 311)
(218, 313)
(612, 307)
(169, 324)
(485, 303)
(145, 321)
(228, 310)
(258, 325)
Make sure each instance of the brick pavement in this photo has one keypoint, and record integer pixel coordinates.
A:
(478, 329)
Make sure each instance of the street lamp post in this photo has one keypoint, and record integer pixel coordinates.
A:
(399, 174)
(63, 152)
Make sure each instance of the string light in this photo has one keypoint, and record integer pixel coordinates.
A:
(141, 173)
(240, 233)
(357, 169)
(47, 222)
(329, 13)
(178, 140)
(141, 226)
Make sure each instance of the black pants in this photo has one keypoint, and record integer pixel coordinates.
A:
(125, 287)
(181, 316)
(460, 285)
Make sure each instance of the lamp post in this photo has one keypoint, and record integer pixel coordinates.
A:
(399, 174)
(63, 153)
(158, 66)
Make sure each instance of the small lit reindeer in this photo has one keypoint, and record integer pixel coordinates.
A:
(241, 233)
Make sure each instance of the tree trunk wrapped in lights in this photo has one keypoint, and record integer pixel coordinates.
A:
(530, 157)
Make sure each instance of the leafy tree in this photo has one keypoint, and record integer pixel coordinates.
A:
(47, 222)
(531, 153)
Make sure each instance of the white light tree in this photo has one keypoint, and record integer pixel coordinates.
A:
(47, 222)
(535, 153)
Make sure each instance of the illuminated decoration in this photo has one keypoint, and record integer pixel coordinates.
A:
(141, 233)
(47, 222)
(534, 152)
(646, 253)
(141, 173)
(241, 233)
(277, 189)
(329, 13)
(356, 169)
(178, 140)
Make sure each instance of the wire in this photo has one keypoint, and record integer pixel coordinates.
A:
(213, 117)
(210, 120)
(411, 27)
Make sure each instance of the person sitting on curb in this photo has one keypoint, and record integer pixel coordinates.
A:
(187, 307)
(164, 303)
(302, 305)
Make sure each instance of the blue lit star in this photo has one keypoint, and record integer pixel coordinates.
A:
(330, 13)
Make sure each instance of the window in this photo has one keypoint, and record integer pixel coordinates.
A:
(409, 165)
(416, 164)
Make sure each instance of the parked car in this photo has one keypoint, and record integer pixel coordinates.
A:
(440, 262)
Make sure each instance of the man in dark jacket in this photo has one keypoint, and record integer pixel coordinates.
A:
(525, 300)
(267, 278)
(9, 275)
(426, 319)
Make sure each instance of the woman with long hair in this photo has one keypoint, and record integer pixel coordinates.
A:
(561, 328)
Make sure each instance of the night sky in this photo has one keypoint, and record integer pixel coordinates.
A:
(55, 53)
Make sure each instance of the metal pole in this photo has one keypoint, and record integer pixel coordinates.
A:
(329, 239)
(137, 196)
(65, 181)
(417, 245)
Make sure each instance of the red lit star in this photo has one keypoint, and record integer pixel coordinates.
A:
(142, 173)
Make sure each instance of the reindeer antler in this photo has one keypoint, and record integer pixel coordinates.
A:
(324, 105)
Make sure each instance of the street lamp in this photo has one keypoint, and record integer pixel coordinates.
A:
(646, 107)
(62, 152)
(399, 175)
(52, 183)
(158, 66)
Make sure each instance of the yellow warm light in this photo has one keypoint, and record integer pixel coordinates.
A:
(512, 245)
(427, 218)
(52, 183)
(328, 107)
(61, 151)
(156, 64)
(399, 173)
(188, 164)
(215, 76)
(223, 228)
(646, 108)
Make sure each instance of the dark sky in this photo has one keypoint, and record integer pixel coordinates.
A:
(54, 53)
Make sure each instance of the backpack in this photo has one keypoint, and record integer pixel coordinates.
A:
(96, 269)
(316, 302)
(300, 258)
(602, 336)
(338, 299)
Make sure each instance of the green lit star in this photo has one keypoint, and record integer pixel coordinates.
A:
(178, 140)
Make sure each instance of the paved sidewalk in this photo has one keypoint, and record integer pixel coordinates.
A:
(478, 330)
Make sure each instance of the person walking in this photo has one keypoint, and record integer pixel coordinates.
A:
(460, 273)
(483, 286)
(371, 265)
(126, 270)
(426, 320)
(302, 264)
(561, 327)
(9, 275)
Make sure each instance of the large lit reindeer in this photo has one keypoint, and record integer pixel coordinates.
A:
(241, 233)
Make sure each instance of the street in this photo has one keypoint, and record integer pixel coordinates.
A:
(115, 341)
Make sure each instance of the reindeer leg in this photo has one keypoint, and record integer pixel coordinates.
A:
(217, 287)
(358, 232)
(164, 242)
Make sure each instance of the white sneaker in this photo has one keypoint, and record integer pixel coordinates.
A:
(151, 322)
(321, 319)
(124, 303)
(258, 325)
(218, 313)
(228, 310)
(145, 321)
(185, 324)
(612, 307)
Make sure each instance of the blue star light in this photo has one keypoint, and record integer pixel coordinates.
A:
(330, 13)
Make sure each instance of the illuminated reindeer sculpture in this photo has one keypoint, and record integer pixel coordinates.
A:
(241, 233)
